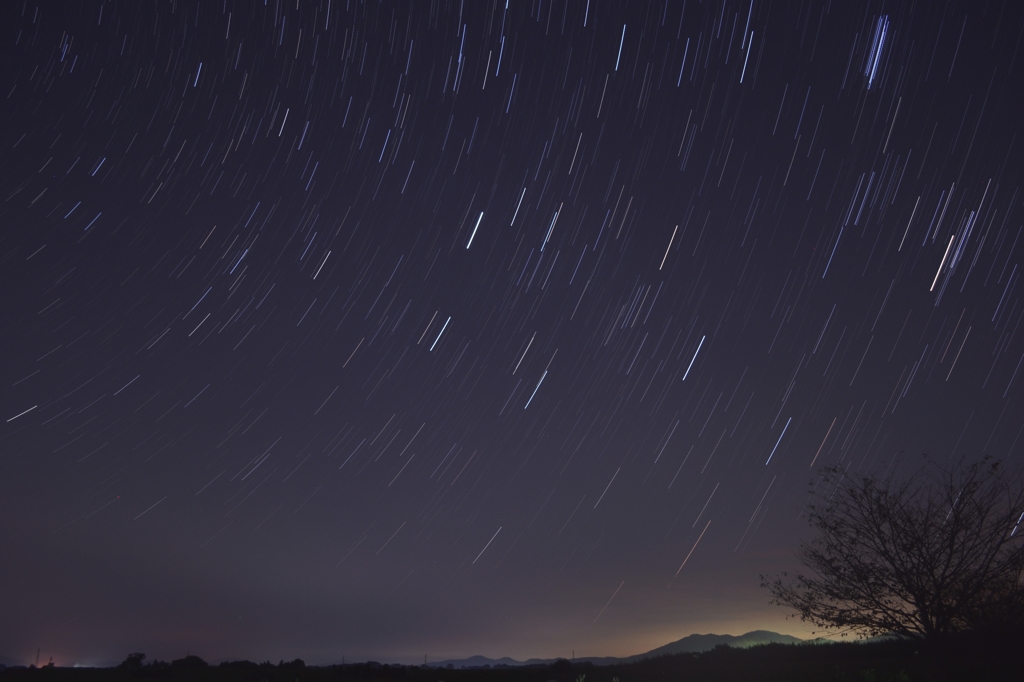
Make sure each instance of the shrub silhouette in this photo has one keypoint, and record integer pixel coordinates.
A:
(133, 661)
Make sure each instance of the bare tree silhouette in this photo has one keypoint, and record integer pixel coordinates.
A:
(937, 553)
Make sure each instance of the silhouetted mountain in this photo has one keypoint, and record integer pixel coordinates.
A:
(9, 662)
(696, 643)
(482, 661)
(690, 644)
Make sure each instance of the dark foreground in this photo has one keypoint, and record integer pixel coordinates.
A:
(892, 661)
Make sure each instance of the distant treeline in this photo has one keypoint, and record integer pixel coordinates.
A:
(885, 661)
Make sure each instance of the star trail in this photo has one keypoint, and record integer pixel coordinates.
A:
(506, 327)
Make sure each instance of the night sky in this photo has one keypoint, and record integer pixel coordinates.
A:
(378, 330)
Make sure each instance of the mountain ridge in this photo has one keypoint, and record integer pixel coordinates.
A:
(690, 644)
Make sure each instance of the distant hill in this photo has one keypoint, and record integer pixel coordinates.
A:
(9, 662)
(690, 644)
(696, 643)
(482, 661)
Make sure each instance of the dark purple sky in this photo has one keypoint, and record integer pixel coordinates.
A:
(346, 328)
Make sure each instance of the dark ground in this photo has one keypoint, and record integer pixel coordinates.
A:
(876, 662)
